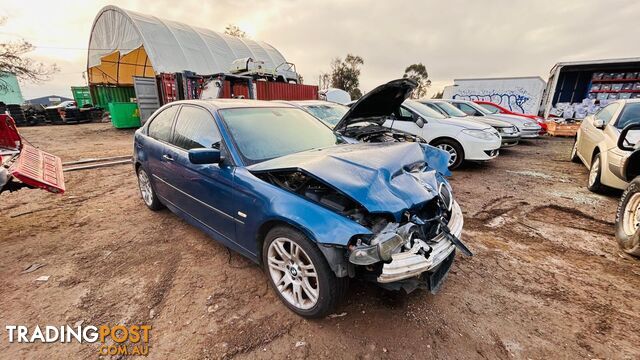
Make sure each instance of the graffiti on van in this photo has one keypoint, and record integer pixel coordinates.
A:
(512, 100)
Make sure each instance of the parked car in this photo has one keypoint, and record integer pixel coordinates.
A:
(497, 109)
(509, 133)
(628, 214)
(362, 120)
(596, 144)
(271, 182)
(528, 129)
(462, 139)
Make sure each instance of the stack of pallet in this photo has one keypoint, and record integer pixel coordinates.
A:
(562, 129)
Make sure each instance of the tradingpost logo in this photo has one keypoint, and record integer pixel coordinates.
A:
(114, 340)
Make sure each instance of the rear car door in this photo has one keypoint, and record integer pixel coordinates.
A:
(157, 146)
(204, 191)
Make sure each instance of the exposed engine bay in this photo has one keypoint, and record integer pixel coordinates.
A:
(372, 132)
(398, 253)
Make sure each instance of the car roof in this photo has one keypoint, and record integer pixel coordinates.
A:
(309, 102)
(218, 104)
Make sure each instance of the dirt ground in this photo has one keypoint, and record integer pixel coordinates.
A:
(547, 279)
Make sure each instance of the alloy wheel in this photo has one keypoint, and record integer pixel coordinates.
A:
(631, 216)
(145, 187)
(453, 154)
(293, 273)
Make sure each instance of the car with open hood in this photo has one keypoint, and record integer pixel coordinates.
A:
(331, 114)
(462, 139)
(527, 128)
(508, 133)
(273, 183)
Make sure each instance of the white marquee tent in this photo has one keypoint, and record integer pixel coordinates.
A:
(125, 43)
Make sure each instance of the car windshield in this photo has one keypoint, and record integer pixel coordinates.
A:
(478, 107)
(630, 114)
(265, 133)
(424, 110)
(490, 108)
(330, 114)
(450, 109)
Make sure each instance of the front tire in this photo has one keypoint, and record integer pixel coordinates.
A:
(299, 273)
(595, 173)
(628, 219)
(456, 153)
(147, 192)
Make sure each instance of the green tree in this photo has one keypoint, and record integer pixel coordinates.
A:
(14, 61)
(419, 74)
(345, 75)
(234, 30)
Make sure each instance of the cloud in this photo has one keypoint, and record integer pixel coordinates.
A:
(454, 39)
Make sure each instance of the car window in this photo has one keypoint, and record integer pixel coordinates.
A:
(405, 115)
(265, 133)
(160, 126)
(630, 114)
(424, 110)
(450, 109)
(195, 129)
(433, 107)
(492, 109)
(467, 109)
(606, 113)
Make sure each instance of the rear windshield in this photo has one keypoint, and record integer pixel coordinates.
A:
(265, 133)
(330, 114)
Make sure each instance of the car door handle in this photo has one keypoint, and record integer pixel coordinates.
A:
(167, 157)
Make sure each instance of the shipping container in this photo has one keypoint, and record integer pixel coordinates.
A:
(518, 94)
(579, 88)
(81, 95)
(168, 88)
(102, 95)
(268, 90)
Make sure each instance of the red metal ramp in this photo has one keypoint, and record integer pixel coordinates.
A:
(39, 169)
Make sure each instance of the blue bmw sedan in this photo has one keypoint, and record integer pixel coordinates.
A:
(271, 182)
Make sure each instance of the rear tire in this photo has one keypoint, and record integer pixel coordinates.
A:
(595, 173)
(628, 219)
(454, 149)
(299, 273)
(147, 192)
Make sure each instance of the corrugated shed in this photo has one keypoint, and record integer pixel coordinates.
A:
(166, 47)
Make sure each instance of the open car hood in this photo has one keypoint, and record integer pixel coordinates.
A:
(378, 103)
(382, 177)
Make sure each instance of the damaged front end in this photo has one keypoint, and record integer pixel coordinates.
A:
(395, 191)
(416, 253)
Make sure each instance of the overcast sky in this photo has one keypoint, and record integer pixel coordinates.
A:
(454, 39)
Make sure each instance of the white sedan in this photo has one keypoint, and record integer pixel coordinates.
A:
(462, 139)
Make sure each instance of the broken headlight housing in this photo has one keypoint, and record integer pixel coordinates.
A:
(381, 248)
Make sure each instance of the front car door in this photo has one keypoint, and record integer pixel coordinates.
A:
(590, 135)
(204, 191)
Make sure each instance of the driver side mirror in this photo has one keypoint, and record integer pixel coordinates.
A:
(420, 122)
(205, 156)
(599, 124)
(622, 139)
